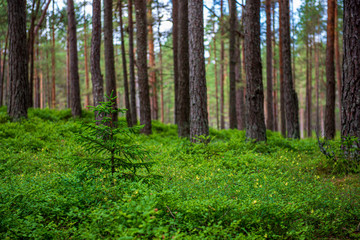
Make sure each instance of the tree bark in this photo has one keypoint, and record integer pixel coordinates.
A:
(240, 103)
(216, 81)
(110, 77)
(126, 85)
(3, 70)
(152, 70)
(132, 64)
(281, 68)
(255, 122)
(87, 96)
(233, 61)
(269, 102)
(183, 81)
(198, 96)
(141, 40)
(330, 74)
(96, 77)
(337, 58)
(175, 31)
(274, 74)
(68, 88)
(73, 62)
(350, 111)
(36, 76)
(53, 83)
(291, 100)
(18, 94)
(222, 67)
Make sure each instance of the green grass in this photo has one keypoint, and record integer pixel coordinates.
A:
(228, 189)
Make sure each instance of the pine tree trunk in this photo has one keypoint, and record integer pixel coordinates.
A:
(291, 100)
(123, 54)
(53, 83)
(152, 71)
(222, 67)
(233, 60)
(87, 96)
(132, 64)
(68, 89)
(175, 31)
(270, 113)
(337, 59)
(317, 87)
(110, 77)
(96, 77)
(18, 91)
(216, 81)
(350, 111)
(36, 76)
(255, 122)
(183, 61)
(2, 77)
(198, 97)
(274, 74)
(141, 40)
(330, 74)
(73, 62)
(240, 103)
(281, 68)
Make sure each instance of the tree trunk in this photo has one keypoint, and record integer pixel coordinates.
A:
(291, 100)
(222, 66)
(96, 77)
(132, 64)
(255, 122)
(110, 77)
(141, 40)
(175, 31)
(274, 74)
(270, 113)
(330, 74)
(233, 61)
(87, 96)
(123, 53)
(198, 97)
(281, 68)
(73, 62)
(317, 86)
(18, 97)
(350, 111)
(152, 71)
(183, 61)
(68, 89)
(161, 66)
(53, 83)
(337, 59)
(240, 103)
(36, 76)
(2, 77)
(216, 81)
(308, 87)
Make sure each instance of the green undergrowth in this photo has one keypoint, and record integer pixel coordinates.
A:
(228, 189)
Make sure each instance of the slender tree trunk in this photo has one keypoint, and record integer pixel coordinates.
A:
(68, 89)
(96, 77)
(233, 60)
(18, 90)
(123, 53)
(36, 76)
(317, 86)
(87, 96)
(216, 81)
(337, 58)
(110, 77)
(161, 66)
(53, 83)
(222, 66)
(255, 121)
(330, 74)
(270, 113)
(240, 103)
(132, 64)
(183, 61)
(73, 62)
(152, 72)
(282, 93)
(350, 111)
(141, 40)
(175, 31)
(198, 98)
(308, 87)
(274, 74)
(3, 70)
(291, 100)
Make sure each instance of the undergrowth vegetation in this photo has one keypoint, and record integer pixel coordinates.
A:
(227, 189)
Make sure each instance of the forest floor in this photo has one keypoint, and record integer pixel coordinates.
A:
(227, 189)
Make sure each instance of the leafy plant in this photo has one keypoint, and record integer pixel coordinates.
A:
(113, 143)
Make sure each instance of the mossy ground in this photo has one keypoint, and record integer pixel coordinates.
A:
(227, 189)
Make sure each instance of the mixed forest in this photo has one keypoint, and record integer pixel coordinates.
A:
(179, 119)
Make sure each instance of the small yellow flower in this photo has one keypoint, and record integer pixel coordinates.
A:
(254, 202)
(286, 184)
